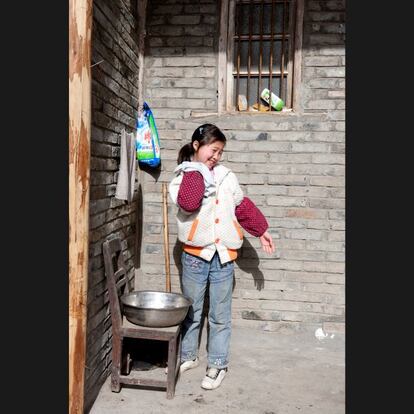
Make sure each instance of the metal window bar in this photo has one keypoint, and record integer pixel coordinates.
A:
(259, 83)
(257, 40)
(264, 37)
(250, 49)
(237, 35)
(292, 9)
(282, 57)
(271, 49)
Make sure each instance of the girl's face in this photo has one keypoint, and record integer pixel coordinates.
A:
(209, 154)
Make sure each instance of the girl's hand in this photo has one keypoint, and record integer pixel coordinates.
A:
(267, 243)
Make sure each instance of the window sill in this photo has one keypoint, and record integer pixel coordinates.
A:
(259, 115)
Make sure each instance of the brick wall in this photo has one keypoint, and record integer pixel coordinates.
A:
(180, 60)
(114, 104)
(291, 165)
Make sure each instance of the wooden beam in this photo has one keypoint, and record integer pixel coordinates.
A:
(297, 70)
(80, 28)
(230, 105)
(222, 58)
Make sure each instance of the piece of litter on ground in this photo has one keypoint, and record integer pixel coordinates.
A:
(332, 335)
(320, 334)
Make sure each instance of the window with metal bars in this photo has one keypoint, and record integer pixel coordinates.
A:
(263, 44)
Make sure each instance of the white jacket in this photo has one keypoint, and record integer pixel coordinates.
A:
(214, 225)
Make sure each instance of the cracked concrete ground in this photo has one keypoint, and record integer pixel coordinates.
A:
(269, 373)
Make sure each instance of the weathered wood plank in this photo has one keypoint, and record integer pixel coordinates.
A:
(297, 70)
(222, 57)
(80, 29)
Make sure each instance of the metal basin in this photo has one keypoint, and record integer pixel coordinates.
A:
(155, 309)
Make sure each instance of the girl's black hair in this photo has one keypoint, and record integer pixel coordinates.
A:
(204, 134)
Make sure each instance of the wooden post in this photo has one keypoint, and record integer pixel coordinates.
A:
(80, 25)
(297, 70)
(166, 241)
(222, 57)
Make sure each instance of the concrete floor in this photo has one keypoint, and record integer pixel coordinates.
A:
(269, 373)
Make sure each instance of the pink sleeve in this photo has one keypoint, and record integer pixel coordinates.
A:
(191, 191)
(251, 218)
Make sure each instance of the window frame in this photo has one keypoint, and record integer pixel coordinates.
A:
(225, 58)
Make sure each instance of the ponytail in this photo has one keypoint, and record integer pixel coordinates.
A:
(204, 134)
(185, 153)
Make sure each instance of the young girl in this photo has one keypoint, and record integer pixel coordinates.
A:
(212, 210)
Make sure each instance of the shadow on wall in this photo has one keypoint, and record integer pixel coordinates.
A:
(153, 172)
(251, 264)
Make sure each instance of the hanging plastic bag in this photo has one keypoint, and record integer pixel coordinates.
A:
(147, 140)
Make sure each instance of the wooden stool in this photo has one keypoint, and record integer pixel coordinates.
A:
(122, 328)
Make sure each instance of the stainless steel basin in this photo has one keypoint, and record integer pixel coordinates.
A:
(155, 309)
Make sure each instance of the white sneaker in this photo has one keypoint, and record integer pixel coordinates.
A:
(213, 378)
(185, 366)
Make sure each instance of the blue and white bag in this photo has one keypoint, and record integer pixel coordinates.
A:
(147, 140)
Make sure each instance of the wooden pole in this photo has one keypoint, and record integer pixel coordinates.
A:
(166, 241)
(80, 25)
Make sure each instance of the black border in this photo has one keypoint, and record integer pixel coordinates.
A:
(35, 206)
(378, 207)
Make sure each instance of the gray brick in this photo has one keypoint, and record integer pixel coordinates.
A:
(338, 72)
(167, 93)
(265, 189)
(184, 20)
(208, 9)
(308, 192)
(309, 147)
(183, 61)
(326, 16)
(323, 61)
(325, 246)
(199, 72)
(287, 201)
(327, 203)
(336, 159)
(167, 9)
(305, 234)
(336, 94)
(302, 255)
(337, 214)
(289, 180)
(336, 236)
(337, 115)
(201, 93)
(321, 104)
(340, 126)
(305, 277)
(327, 267)
(326, 50)
(336, 279)
(325, 83)
(307, 213)
(328, 181)
(326, 39)
(323, 288)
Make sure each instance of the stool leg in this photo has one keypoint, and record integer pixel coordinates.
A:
(172, 363)
(116, 364)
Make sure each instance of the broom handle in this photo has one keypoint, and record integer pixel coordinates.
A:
(166, 241)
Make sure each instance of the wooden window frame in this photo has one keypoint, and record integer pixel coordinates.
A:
(225, 58)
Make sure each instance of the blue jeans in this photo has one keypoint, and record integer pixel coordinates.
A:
(196, 273)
